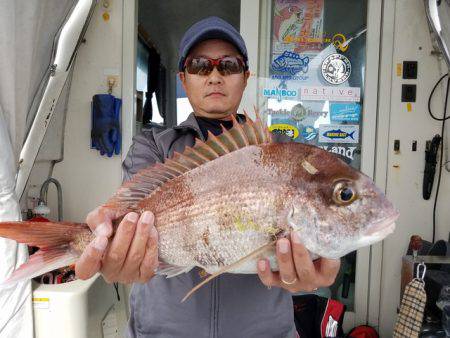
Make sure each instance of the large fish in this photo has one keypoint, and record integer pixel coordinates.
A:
(222, 204)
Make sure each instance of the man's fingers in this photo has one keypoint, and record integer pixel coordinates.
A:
(100, 221)
(304, 266)
(327, 269)
(136, 252)
(90, 261)
(150, 261)
(266, 275)
(117, 252)
(286, 265)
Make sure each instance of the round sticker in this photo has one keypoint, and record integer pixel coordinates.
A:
(299, 112)
(336, 69)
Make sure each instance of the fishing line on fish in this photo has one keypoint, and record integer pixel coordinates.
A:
(441, 153)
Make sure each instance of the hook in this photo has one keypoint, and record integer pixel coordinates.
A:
(420, 275)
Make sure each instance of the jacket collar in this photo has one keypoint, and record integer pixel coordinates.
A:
(191, 123)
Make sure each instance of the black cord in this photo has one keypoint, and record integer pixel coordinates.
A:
(441, 153)
(431, 96)
(116, 286)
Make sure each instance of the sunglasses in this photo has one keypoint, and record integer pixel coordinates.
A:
(204, 66)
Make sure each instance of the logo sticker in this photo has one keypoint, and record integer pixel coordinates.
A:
(317, 93)
(299, 112)
(280, 94)
(335, 133)
(345, 112)
(336, 69)
(284, 129)
(309, 133)
(290, 62)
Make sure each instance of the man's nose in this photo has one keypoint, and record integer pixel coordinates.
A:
(215, 77)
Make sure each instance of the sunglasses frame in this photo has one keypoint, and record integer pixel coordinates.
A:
(215, 64)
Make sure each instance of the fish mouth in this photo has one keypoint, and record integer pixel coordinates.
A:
(384, 226)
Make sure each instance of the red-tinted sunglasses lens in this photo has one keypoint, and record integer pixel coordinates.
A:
(226, 66)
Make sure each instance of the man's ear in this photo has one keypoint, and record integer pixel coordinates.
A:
(182, 77)
(246, 76)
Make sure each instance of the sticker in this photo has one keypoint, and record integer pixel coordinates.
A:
(336, 69)
(345, 112)
(290, 62)
(335, 133)
(299, 112)
(399, 69)
(41, 303)
(339, 41)
(309, 133)
(284, 129)
(289, 77)
(279, 93)
(318, 93)
(298, 26)
(347, 152)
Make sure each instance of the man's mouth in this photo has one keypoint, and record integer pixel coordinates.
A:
(215, 94)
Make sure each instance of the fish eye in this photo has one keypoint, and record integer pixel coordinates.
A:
(344, 193)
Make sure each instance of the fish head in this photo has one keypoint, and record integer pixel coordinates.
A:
(336, 208)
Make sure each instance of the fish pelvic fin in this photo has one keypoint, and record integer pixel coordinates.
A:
(230, 267)
(147, 180)
(53, 239)
(171, 270)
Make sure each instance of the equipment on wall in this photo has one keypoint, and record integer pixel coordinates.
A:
(438, 15)
(431, 151)
(105, 133)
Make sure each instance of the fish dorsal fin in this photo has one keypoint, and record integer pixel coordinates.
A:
(147, 180)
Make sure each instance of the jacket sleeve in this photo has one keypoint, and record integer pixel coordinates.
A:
(143, 152)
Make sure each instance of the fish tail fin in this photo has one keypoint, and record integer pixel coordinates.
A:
(52, 238)
(351, 135)
(230, 267)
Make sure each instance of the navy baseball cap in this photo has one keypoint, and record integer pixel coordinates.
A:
(211, 27)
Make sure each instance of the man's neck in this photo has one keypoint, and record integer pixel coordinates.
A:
(223, 118)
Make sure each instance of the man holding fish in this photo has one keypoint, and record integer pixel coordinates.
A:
(214, 71)
(233, 213)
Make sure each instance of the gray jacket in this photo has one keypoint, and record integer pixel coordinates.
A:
(227, 307)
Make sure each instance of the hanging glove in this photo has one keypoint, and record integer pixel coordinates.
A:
(105, 132)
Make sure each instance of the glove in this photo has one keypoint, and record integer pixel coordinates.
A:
(105, 132)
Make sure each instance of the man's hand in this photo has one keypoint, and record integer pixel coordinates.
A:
(131, 255)
(297, 272)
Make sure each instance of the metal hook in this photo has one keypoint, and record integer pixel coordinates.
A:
(420, 275)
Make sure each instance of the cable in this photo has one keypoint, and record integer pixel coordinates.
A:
(116, 287)
(441, 153)
(431, 96)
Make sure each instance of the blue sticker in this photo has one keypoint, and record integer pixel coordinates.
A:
(338, 133)
(290, 62)
(345, 112)
(309, 133)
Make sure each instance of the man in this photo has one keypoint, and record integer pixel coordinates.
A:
(214, 73)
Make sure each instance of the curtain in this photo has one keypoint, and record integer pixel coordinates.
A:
(28, 29)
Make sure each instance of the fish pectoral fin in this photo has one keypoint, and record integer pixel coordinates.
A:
(172, 270)
(230, 267)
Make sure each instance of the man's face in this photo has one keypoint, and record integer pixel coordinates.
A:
(214, 95)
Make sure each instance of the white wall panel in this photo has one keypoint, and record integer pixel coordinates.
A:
(405, 169)
(87, 178)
